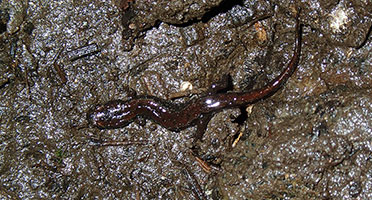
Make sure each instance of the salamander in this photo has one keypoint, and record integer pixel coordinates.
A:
(199, 111)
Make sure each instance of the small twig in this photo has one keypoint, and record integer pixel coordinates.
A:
(121, 143)
(239, 136)
(60, 72)
(204, 165)
(193, 184)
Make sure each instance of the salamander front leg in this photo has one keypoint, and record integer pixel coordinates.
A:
(201, 126)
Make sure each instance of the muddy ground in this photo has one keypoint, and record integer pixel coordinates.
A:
(310, 140)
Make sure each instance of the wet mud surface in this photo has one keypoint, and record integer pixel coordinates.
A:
(310, 140)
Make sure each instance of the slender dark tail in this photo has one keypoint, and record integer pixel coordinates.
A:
(275, 84)
(292, 65)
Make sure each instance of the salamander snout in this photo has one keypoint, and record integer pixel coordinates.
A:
(113, 114)
(93, 116)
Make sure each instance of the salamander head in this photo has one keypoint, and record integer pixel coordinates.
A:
(96, 116)
(113, 114)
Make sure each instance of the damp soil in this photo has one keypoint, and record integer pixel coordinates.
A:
(310, 140)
